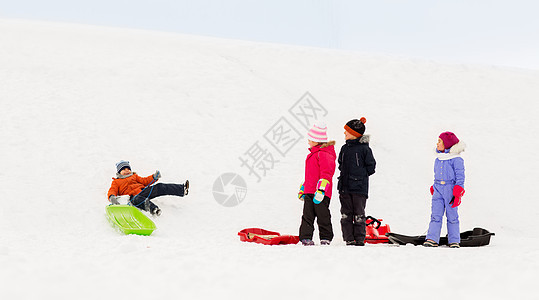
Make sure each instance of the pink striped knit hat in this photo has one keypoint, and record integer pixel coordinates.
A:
(318, 133)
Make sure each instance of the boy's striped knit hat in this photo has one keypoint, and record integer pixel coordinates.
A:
(122, 164)
(318, 133)
(356, 127)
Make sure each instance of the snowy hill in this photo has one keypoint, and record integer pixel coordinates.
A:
(76, 99)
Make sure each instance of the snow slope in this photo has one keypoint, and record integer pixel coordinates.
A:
(76, 99)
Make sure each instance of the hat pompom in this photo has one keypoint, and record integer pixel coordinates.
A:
(363, 120)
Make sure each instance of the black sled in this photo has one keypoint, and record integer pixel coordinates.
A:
(472, 238)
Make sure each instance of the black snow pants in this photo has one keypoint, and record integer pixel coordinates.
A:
(150, 192)
(353, 217)
(323, 217)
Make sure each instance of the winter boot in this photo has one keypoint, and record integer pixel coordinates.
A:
(355, 243)
(430, 243)
(186, 188)
(307, 242)
(156, 211)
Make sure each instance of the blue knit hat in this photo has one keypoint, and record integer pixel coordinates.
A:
(122, 164)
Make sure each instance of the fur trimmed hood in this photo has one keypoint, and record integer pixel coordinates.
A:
(365, 139)
(330, 143)
(454, 151)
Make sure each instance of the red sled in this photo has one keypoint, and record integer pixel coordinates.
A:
(376, 232)
(266, 237)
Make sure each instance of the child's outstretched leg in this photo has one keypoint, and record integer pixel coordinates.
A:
(142, 200)
(165, 189)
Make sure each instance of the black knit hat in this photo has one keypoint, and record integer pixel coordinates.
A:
(356, 127)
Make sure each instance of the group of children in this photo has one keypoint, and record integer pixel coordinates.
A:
(356, 164)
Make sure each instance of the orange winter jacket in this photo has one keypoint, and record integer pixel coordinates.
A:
(130, 185)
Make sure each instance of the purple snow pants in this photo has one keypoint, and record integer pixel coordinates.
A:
(443, 193)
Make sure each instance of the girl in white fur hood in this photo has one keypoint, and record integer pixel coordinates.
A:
(447, 190)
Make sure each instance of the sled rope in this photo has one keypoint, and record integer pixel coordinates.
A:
(146, 199)
(251, 235)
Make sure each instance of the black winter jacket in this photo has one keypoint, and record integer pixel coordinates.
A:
(356, 164)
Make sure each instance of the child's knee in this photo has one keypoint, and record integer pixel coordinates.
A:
(436, 218)
(452, 218)
(359, 219)
(347, 218)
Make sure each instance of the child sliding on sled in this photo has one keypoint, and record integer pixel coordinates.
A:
(316, 190)
(356, 164)
(140, 189)
(447, 190)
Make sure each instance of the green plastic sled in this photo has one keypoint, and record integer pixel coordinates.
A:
(130, 220)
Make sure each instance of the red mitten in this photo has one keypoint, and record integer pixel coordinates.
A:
(432, 190)
(458, 192)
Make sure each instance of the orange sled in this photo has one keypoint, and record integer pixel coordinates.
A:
(266, 237)
(375, 231)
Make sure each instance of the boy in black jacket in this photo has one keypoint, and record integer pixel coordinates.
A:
(356, 164)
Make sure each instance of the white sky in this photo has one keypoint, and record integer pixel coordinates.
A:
(496, 32)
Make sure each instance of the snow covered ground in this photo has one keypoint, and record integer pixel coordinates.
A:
(76, 99)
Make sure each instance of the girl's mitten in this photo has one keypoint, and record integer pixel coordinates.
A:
(458, 192)
(301, 192)
(320, 190)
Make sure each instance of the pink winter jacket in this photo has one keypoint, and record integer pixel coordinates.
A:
(320, 164)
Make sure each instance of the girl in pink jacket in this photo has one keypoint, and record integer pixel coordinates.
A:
(316, 190)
